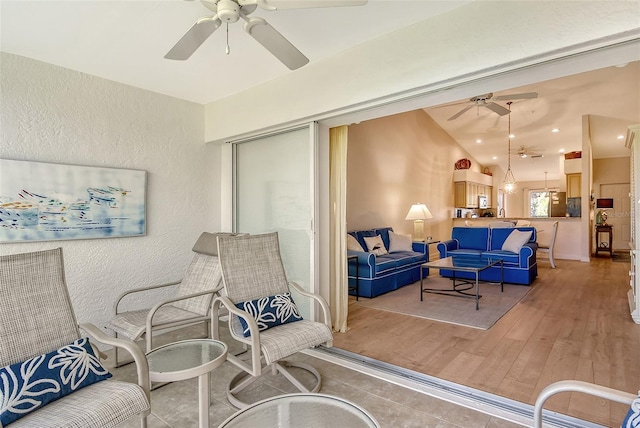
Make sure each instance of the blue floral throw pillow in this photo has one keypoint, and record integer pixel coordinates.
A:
(632, 420)
(270, 312)
(27, 386)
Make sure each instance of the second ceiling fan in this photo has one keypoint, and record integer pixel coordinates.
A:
(230, 11)
(487, 101)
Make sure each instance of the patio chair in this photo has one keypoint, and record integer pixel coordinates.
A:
(37, 323)
(256, 294)
(549, 248)
(190, 303)
(633, 416)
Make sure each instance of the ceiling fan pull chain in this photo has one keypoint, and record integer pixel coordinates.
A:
(228, 50)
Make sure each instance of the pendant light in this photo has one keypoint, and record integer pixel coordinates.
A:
(509, 182)
(546, 187)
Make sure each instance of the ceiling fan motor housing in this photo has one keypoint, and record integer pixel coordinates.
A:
(228, 11)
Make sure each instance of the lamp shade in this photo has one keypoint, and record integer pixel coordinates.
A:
(418, 212)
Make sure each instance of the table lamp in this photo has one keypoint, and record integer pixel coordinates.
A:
(418, 213)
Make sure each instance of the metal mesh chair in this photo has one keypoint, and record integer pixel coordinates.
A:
(36, 317)
(191, 303)
(252, 269)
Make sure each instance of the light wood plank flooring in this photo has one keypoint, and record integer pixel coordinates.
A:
(574, 324)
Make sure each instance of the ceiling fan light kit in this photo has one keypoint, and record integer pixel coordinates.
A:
(230, 11)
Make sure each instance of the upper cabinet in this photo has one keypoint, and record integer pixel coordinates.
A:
(574, 185)
(468, 186)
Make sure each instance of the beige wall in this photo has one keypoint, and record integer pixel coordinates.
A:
(610, 171)
(397, 161)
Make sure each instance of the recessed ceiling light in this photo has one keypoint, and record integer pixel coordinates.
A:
(620, 137)
(478, 140)
(495, 157)
(555, 130)
(512, 136)
(561, 151)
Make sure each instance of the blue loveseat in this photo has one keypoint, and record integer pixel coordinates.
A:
(381, 274)
(519, 268)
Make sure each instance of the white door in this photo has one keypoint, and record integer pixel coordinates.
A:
(274, 192)
(620, 215)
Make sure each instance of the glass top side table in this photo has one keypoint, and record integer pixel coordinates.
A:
(302, 410)
(187, 359)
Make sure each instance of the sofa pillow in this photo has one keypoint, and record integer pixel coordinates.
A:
(375, 245)
(269, 312)
(399, 242)
(353, 244)
(29, 385)
(516, 240)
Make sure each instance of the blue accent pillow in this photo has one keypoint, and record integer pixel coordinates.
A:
(27, 386)
(269, 312)
(632, 420)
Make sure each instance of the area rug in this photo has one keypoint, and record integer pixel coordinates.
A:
(450, 309)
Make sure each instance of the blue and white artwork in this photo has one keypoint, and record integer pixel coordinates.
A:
(45, 201)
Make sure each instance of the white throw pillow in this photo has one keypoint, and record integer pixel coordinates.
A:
(375, 245)
(353, 244)
(516, 240)
(398, 242)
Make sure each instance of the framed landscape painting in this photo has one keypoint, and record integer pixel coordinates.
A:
(46, 201)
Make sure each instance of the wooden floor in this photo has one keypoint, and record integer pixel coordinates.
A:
(574, 324)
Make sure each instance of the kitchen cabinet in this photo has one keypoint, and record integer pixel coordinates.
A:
(467, 192)
(574, 183)
(468, 185)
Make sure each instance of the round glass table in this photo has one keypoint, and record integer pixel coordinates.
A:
(302, 410)
(185, 360)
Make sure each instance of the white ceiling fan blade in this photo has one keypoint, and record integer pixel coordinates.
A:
(497, 108)
(275, 43)
(523, 96)
(460, 113)
(192, 39)
(301, 4)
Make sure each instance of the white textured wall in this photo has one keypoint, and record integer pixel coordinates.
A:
(52, 114)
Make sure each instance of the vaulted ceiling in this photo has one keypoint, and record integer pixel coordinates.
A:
(610, 97)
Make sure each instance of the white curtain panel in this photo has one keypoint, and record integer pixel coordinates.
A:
(338, 199)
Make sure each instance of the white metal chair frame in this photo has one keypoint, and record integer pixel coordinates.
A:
(549, 249)
(206, 252)
(578, 386)
(151, 326)
(254, 339)
(46, 288)
(252, 372)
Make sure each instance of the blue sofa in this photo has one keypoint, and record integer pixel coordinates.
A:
(381, 274)
(519, 268)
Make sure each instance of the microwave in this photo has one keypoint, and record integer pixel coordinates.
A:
(482, 202)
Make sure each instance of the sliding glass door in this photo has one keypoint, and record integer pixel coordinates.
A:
(274, 191)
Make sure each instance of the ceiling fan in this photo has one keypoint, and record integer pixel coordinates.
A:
(525, 153)
(487, 100)
(230, 11)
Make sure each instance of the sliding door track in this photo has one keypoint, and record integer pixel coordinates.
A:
(482, 401)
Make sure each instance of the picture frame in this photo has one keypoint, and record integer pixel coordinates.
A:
(49, 202)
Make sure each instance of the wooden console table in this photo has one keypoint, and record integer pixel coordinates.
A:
(604, 246)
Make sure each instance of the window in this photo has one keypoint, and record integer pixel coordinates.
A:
(539, 203)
